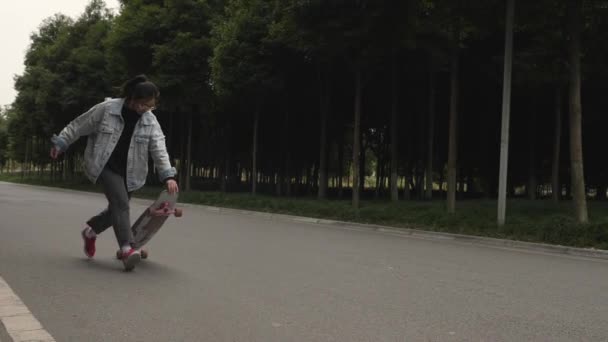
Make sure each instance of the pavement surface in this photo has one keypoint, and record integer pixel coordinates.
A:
(218, 276)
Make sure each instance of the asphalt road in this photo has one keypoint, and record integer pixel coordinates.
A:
(230, 277)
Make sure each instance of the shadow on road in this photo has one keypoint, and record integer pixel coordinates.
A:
(109, 265)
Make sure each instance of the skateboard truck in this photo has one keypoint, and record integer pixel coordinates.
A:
(163, 210)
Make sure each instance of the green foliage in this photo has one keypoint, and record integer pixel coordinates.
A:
(223, 60)
(241, 58)
(64, 73)
(168, 41)
(180, 58)
(130, 43)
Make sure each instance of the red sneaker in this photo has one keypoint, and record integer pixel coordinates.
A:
(89, 244)
(130, 258)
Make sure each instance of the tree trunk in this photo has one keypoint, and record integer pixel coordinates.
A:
(340, 165)
(557, 137)
(225, 173)
(378, 178)
(189, 151)
(39, 143)
(170, 137)
(283, 169)
(420, 176)
(407, 194)
(170, 134)
(324, 109)
(254, 154)
(357, 138)
(312, 179)
(385, 170)
(65, 168)
(362, 163)
(576, 139)
(532, 183)
(394, 131)
(288, 173)
(431, 132)
(182, 148)
(310, 171)
(52, 170)
(453, 130)
(26, 158)
(72, 163)
(506, 113)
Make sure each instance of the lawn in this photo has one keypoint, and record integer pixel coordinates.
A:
(533, 221)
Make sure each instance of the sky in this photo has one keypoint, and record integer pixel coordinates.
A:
(18, 20)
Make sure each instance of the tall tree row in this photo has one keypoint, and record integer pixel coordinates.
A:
(359, 100)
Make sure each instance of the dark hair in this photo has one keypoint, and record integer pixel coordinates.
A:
(139, 88)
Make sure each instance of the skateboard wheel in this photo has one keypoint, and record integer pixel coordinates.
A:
(144, 254)
(178, 212)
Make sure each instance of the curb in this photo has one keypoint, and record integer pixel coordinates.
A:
(405, 232)
(417, 233)
(17, 321)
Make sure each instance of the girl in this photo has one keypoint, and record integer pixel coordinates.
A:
(121, 133)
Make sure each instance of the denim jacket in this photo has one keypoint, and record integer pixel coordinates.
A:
(103, 124)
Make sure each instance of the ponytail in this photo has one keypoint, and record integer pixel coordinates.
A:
(139, 88)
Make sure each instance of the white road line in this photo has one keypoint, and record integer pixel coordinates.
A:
(19, 322)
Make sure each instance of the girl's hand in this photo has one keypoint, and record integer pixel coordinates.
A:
(172, 186)
(55, 152)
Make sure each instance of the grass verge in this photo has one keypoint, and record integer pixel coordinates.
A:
(532, 221)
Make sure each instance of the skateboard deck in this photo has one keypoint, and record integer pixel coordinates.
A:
(152, 219)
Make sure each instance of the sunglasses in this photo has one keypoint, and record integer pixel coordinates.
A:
(144, 106)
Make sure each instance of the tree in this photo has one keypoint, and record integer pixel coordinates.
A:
(579, 191)
(3, 139)
(506, 112)
(186, 36)
(34, 113)
(241, 63)
(450, 26)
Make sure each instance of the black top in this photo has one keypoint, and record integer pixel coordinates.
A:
(118, 159)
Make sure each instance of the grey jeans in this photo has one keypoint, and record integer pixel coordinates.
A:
(117, 212)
